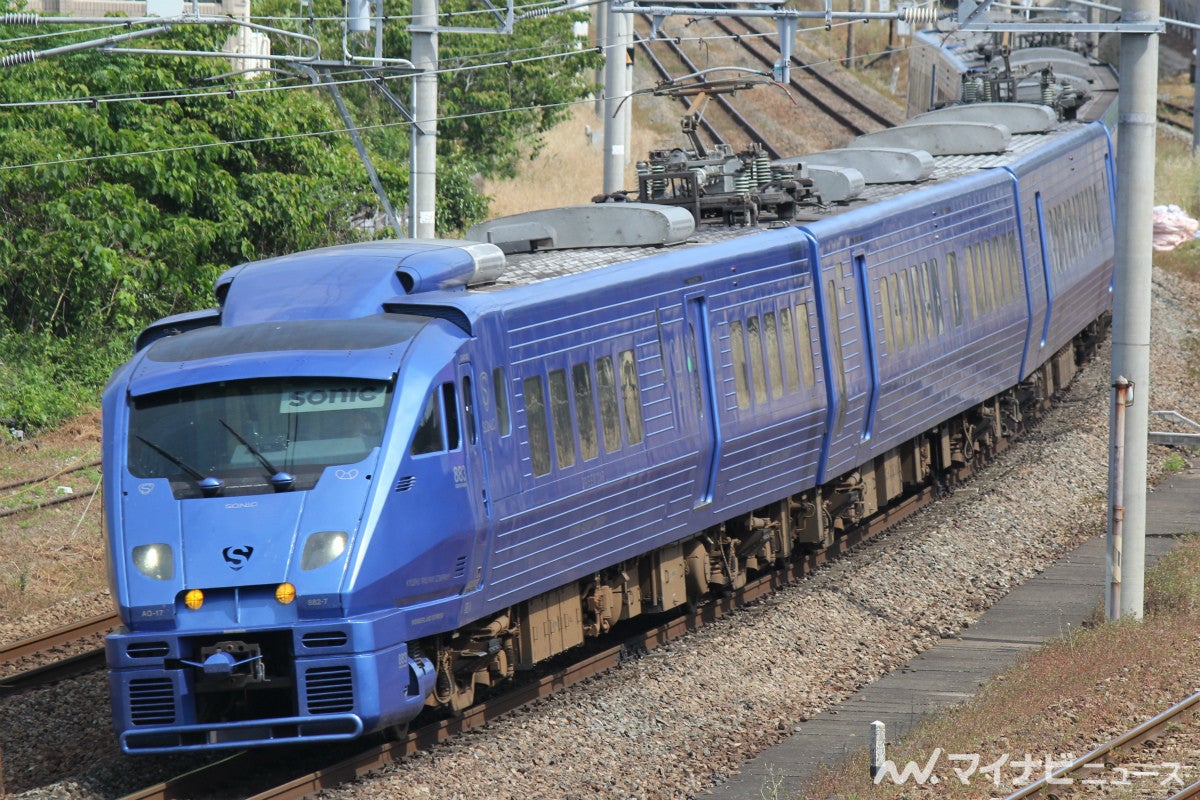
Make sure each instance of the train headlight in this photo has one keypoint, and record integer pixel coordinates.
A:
(285, 593)
(155, 561)
(323, 547)
(194, 599)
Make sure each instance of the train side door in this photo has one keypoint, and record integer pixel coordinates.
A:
(473, 470)
(698, 360)
(846, 362)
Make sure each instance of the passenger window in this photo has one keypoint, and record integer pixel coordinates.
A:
(539, 435)
(1014, 265)
(468, 410)
(908, 308)
(935, 293)
(788, 338)
(500, 392)
(804, 331)
(969, 254)
(560, 415)
(585, 411)
(835, 344)
(428, 438)
(632, 395)
(610, 417)
(897, 310)
(885, 311)
(955, 295)
(774, 370)
(450, 405)
(754, 336)
(737, 346)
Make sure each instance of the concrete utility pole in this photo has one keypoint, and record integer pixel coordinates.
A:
(617, 40)
(423, 177)
(1131, 298)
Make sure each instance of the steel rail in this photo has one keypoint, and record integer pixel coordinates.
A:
(57, 637)
(87, 661)
(744, 124)
(1187, 793)
(832, 86)
(23, 482)
(793, 83)
(1131, 737)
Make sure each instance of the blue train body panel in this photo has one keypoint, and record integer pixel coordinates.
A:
(368, 451)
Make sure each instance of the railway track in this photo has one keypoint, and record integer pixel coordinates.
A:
(1110, 752)
(1175, 117)
(37, 647)
(736, 119)
(828, 96)
(13, 500)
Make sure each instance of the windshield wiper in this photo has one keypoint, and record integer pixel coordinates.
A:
(279, 479)
(209, 485)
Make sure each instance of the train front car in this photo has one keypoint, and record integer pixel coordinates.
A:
(254, 525)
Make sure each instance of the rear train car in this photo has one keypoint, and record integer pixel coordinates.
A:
(378, 478)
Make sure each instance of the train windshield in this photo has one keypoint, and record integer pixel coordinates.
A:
(244, 433)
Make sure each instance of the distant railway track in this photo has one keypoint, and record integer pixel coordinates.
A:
(1175, 117)
(737, 119)
(833, 100)
(10, 493)
(1107, 752)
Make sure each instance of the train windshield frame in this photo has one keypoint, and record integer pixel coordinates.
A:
(243, 433)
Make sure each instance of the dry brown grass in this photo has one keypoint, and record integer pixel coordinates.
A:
(1084, 688)
(53, 553)
(569, 169)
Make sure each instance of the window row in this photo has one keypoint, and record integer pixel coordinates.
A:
(911, 299)
(574, 400)
(993, 273)
(1073, 228)
(772, 354)
(912, 305)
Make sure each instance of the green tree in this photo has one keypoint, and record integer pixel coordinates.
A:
(115, 213)
(498, 94)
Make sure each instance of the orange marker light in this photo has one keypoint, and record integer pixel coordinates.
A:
(194, 599)
(285, 593)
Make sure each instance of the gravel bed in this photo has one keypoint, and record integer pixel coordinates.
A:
(684, 717)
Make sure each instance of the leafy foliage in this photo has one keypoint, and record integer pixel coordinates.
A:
(124, 205)
(497, 94)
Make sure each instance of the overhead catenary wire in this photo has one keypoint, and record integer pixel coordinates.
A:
(501, 58)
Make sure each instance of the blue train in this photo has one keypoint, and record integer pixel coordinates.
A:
(378, 477)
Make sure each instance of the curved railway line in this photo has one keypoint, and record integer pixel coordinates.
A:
(833, 100)
(42, 645)
(825, 95)
(1110, 752)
